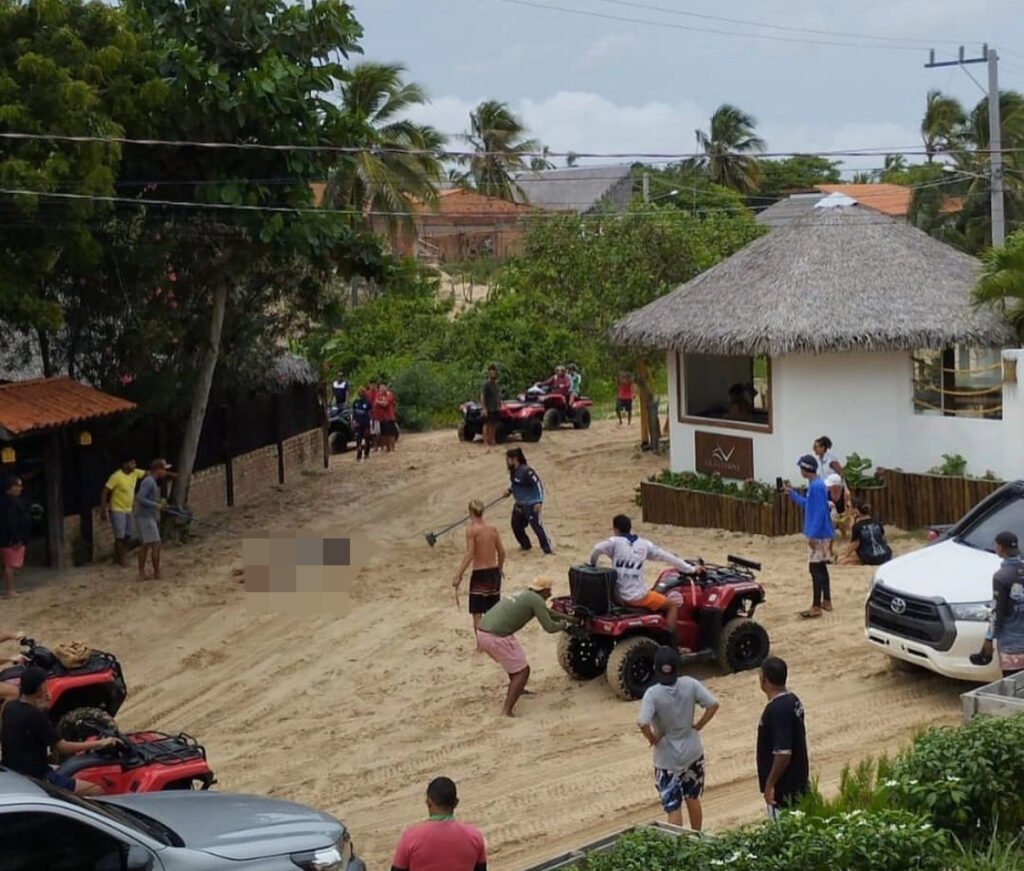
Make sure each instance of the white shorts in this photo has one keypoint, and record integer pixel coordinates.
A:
(121, 521)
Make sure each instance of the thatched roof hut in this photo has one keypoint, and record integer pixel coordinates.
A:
(839, 278)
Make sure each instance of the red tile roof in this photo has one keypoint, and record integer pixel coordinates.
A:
(460, 202)
(45, 403)
(889, 199)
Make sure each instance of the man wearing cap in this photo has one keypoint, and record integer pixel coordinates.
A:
(442, 843)
(666, 720)
(497, 634)
(1006, 627)
(26, 736)
(148, 506)
(819, 532)
(116, 505)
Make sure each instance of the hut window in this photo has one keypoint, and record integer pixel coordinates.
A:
(733, 389)
(959, 382)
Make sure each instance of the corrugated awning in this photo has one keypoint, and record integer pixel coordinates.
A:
(49, 403)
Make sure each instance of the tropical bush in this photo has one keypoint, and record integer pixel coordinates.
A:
(752, 490)
(857, 472)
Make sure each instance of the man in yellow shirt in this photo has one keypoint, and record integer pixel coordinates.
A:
(116, 502)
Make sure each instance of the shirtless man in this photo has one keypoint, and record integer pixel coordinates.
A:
(485, 551)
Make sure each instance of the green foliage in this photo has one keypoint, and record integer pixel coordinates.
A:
(797, 173)
(753, 491)
(1001, 853)
(860, 789)
(695, 192)
(1003, 279)
(952, 466)
(884, 840)
(730, 148)
(500, 149)
(857, 473)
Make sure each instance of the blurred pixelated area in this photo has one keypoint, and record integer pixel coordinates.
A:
(301, 572)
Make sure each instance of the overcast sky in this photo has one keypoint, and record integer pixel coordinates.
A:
(589, 84)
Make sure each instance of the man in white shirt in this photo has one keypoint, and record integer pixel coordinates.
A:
(628, 554)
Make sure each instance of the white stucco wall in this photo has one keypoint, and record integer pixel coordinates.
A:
(864, 403)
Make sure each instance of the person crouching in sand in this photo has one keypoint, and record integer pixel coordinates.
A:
(487, 554)
(497, 634)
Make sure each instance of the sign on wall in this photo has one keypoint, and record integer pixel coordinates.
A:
(729, 456)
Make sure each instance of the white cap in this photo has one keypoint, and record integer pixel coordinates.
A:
(833, 480)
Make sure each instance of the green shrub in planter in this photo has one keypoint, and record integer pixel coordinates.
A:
(857, 473)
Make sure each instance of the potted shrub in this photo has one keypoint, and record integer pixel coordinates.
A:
(858, 474)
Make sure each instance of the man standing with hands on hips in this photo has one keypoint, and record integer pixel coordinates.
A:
(528, 491)
(666, 720)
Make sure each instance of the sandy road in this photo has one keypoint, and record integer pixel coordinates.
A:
(355, 714)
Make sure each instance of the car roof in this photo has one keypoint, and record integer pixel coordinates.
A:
(13, 785)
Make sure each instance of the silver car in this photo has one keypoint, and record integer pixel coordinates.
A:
(42, 827)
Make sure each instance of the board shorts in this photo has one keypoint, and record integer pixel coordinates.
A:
(677, 787)
(62, 780)
(623, 404)
(1011, 661)
(484, 590)
(121, 522)
(13, 556)
(504, 650)
(653, 601)
(148, 529)
(493, 417)
(819, 549)
(388, 428)
(375, 427)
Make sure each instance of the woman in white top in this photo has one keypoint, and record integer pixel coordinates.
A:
(828, 462)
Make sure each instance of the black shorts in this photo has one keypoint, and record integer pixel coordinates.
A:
(492, 417)
(624, 405)
(388, 428)
(484, 590)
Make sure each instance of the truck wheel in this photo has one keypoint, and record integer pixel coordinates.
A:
(581, 657)
(582, 420)
(466, 434)
(552, 419)
(534, 430)
(743, 645)
(631, 666)
(81, 723)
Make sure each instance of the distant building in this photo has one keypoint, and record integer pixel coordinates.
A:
(889, 199)
(583, 190)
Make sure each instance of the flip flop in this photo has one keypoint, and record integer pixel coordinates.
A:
(810, 615)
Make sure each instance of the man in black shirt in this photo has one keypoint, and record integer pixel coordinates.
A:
(782, 766)
(490, 398)
(26, 736)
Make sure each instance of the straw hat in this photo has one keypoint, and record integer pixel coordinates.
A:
(540, 585)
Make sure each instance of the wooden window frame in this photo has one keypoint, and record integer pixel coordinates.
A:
(682, 417)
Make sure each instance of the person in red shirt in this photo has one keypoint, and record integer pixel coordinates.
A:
(386, 407)
(624, 398)
(442, 843)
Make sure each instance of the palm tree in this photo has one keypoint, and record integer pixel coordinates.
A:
(730, 148)
(1002, 280)
(405, 167)
(499, 150)
(542, 161)
(943, 118)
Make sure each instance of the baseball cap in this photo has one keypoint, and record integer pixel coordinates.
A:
(540, 585)
(833, 480)
(808, 463)
(1007, 539)
(666, 665)
(159, 464)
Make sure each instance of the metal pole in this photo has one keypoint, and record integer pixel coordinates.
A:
(996, 149)
(647, 187)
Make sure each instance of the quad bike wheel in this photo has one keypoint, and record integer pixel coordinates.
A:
(582, 419)
(80, 724)
(552, 419)
(581, 656)
(465, 435)
(631, 666)
(534, 430)
(339, 441)
(744, 645)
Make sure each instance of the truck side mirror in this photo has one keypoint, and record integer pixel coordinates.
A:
(138, 859)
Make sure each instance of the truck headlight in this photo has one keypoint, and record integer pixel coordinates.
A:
(334, 858)
(972, 612)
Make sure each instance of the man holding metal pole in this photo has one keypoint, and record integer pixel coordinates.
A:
(528, 491)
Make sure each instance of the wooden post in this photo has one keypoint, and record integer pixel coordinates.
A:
(229, 469)
(276, 401)
(85, 502)
(650, 425)
(54, 502)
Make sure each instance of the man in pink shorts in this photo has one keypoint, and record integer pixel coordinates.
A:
(15, 531)
(497, 634)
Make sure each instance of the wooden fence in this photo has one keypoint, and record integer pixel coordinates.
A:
(906, 501)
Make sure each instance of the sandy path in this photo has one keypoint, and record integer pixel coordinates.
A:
(356, 714)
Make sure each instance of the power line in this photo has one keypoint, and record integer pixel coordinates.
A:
(782, 27)
(694, 29)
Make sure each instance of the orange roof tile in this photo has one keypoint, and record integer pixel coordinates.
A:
(45, 403)
(458, 202)
(889, 199)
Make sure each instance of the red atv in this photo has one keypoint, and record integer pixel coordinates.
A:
(557, 409)
(715, 622)
(142, 762)
(516, 417)
(98, 684)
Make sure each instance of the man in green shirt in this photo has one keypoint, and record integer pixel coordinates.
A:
(497, 634)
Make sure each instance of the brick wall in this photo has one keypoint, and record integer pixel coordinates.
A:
(254, 474)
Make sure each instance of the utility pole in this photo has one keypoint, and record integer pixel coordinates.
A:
(995, 136)
(647, 186)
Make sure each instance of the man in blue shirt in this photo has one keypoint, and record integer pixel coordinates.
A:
(340, 388)
(528, 491)
(819, 532)
(1007, 622)
(362, 411)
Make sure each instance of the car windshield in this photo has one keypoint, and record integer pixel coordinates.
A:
(133, 819)
(1006, 516)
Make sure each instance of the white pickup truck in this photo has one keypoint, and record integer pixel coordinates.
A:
(931, 607)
